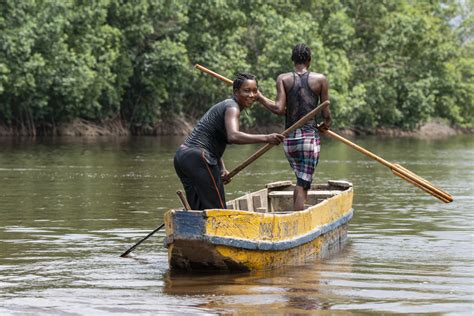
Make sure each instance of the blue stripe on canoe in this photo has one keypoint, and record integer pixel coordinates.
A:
(188, 225)
(279, 245)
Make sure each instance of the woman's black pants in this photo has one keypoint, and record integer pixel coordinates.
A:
(201, 180)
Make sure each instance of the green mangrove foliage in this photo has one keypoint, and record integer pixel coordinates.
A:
(389, 63)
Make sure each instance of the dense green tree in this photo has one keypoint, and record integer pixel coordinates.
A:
(153, 48)
(58, 60)
(389, 63)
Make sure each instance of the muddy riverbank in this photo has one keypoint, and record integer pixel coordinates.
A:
(182, 126)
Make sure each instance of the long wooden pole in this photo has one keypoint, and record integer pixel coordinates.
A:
(266, 147)
(185, 206)
(398, 170)
(142, 240)
(214, 74)
(183, 200)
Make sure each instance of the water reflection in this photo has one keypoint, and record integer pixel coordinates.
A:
(290, 289)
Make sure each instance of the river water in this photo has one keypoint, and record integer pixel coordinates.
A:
(70, 207)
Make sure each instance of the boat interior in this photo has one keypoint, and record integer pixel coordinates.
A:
(277, 197)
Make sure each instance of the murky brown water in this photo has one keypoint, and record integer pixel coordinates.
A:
(69, 208)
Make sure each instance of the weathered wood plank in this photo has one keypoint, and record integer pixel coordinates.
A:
(318, 193)
(278, 184)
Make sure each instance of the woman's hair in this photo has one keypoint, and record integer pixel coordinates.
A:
(301, 54)
(240, 78)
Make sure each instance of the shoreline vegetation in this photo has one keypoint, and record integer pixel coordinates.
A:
(75, 68)
(177, 126)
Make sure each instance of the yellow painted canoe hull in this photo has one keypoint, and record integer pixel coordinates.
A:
(263, 236)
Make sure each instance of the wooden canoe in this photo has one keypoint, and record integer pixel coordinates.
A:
(259, 231)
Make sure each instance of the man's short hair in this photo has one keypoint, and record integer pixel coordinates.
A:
(301, 54)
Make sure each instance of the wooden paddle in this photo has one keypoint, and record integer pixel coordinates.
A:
(397, 169)
(186, 207)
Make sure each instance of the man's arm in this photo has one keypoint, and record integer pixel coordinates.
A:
(235, 136)
(279, 105)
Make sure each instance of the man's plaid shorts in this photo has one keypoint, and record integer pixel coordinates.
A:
(302, 151)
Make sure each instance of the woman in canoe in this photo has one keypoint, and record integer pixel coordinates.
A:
(198, 161)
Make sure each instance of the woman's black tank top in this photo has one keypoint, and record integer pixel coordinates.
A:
(300, 100)
(210, 133)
